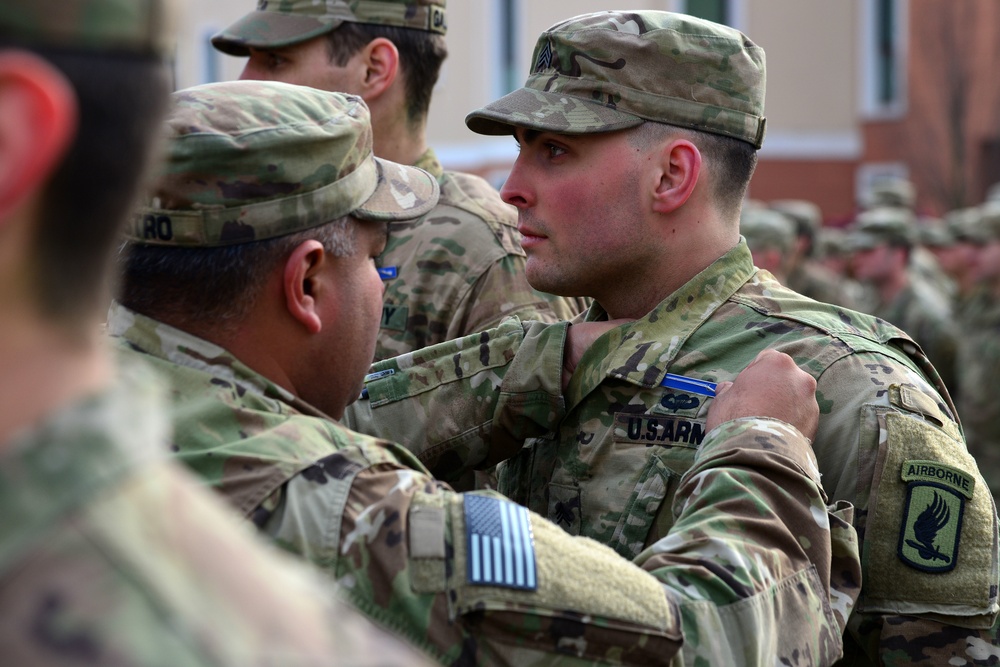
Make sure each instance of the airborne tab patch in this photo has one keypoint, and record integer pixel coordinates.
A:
(501, 548)
(932, 518)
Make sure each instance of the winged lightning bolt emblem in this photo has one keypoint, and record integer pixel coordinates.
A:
(926, 528)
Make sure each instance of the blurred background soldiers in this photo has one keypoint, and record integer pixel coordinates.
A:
(111, 554)
(979, 353)
(771, 239)
(805, 275)
(460, 268)
(933, 236)
(881, 242)
(960, 259)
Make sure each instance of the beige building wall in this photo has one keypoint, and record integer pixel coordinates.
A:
(812, 60)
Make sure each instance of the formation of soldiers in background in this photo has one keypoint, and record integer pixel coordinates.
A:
(938, 279)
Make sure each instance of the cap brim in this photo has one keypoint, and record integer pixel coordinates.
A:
(548, 112)
(269, 30)
(402, 193)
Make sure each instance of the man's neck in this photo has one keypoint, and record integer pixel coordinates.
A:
(399, 140)
(46, 369)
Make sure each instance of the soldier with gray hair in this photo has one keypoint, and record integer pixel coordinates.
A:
(277, 185)
(638, 134)
(111, 553)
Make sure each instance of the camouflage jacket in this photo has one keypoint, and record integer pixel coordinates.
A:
(457, 270)
(112, 555)
(978, 380)
(476, 579)
(625, 432)
(925, 315)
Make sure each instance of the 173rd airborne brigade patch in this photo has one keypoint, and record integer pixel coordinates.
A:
(932, 515)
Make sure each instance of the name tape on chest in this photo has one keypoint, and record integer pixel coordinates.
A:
(652, 430)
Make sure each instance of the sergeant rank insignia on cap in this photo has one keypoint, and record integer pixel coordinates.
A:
(932, 518)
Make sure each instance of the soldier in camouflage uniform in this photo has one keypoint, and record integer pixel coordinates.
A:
(770, 236)
(805, 275)
(287, 244)
(459, 268)
(881, 242)
(979, 353)
(110, 554)
(631, 421)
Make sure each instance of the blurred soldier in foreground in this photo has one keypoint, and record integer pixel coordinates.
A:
(638, 134)
(111, 555)
(880, 242)
(263, 363)
(459, 268)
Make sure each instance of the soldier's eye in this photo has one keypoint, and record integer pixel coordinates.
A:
(555, 150)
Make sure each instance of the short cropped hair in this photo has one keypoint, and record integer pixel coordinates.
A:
(215, 287)
(121, 100)
(731, 162)
(421, 54)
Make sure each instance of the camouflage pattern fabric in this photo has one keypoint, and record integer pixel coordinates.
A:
(978, 372)
(278, 23)
(144, 27)
(619, 440)
(457, 270)
(111, 555)
(227, 181)
(580, 83)
(404, 545)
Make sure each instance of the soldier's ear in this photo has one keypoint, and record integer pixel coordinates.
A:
(38, 119)
(300, 283)
(677, 169)
(381, 59)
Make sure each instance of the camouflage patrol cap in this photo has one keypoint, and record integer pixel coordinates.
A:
(934, 233)
(898, 192)
(612, 70)
(831, 242)
(146, 27)
(990, 216)
(279, 23)
(807, 216)
(966, 225)
(764, 228)
(884, 225)
(252, 160)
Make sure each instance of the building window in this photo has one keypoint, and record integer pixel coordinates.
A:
(713, 10)
(509, 71)
(211, 65)
(885, 54)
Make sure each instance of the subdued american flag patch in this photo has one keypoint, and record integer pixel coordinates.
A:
(501, 549)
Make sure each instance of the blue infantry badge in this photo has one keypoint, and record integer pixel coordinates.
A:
(388, 272)
(932, 518)
(501, 548)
